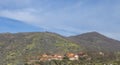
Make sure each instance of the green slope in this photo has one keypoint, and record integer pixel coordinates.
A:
(94, 41)
(15, 48)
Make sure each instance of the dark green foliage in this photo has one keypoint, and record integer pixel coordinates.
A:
(95, 42)
(75, 62)
(65, 58)
(18, 48)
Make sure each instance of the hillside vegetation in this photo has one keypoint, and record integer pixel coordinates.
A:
(94, 41)
(15, 49)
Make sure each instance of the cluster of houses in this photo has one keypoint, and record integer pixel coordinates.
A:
(70, 56)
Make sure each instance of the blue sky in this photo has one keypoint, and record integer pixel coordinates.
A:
(14, 26)
(66, 17)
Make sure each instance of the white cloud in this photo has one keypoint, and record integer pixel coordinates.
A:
(22, 15)
(73, 18)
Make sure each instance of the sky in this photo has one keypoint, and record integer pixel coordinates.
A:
(66, 17)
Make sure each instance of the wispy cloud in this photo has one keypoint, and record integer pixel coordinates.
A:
(23, 15)
(66, 17)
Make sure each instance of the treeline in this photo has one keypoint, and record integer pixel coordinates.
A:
(96, 60)
(75, 62)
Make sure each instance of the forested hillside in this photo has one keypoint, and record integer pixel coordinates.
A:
(94, 41)
(18, 48)
(15, 48)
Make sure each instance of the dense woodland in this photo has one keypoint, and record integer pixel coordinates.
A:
(20, 48)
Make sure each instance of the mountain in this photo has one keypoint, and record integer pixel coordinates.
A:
(16, 48)
(94, 41)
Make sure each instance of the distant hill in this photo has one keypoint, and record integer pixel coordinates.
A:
(94, 41)
(15, 48)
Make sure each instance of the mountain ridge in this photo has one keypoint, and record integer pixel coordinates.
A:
(16, 47)
(95, 39)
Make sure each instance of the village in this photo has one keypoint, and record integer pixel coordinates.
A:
(70, 56)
